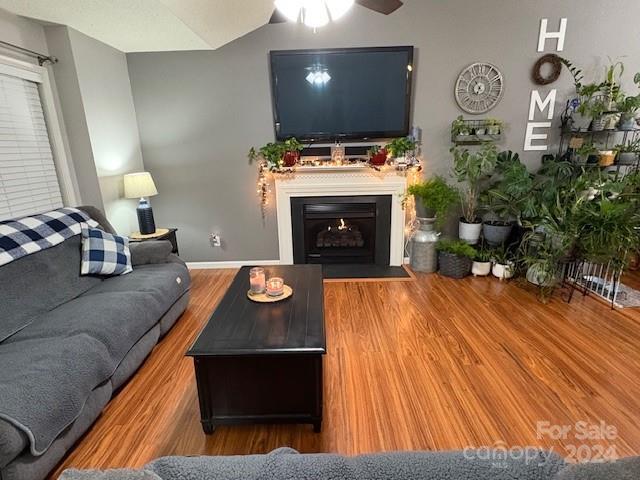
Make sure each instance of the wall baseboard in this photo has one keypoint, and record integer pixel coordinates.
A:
(230, 264)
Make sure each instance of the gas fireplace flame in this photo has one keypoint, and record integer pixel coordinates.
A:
(342, 225)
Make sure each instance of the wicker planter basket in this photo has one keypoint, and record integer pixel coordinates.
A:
(453, 266)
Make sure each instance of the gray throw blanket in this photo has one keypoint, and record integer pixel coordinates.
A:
(49, 371)
(286, 464)
(282, 465)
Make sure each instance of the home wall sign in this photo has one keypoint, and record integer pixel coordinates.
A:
(537, 131)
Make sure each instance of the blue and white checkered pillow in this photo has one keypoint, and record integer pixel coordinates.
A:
(104, 253)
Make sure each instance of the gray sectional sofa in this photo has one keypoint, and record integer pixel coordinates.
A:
(77, 341)
(288, 464)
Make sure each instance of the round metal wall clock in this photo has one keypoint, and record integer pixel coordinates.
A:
(479, 88)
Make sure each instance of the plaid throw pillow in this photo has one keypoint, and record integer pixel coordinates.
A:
(104, 254)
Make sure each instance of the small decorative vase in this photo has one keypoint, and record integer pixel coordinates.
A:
(424, 257)
(481, 269)
(289, 159)
(469, 232)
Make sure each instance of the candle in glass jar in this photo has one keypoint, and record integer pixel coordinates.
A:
(275, 286)
(257, 280)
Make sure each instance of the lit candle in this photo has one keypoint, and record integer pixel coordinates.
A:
(257, 280)
(275, 287)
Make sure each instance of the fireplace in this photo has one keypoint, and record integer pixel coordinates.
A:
(332, 230)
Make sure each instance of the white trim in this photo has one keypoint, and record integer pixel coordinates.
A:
(231, 264)
(341, 183)
(64, 168)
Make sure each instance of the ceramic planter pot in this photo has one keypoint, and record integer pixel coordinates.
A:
(502, 271)
(421, 210)
(579, 122)
(607, 157)
(611, 121)
(379, 158)
(469, 232)
(453, 266)
(289, 159)
(536, 276)
(481, 269)
(496, 233)
(627, 122)
(598, 124)
(493, 130)
(481, 131)
(627, 158)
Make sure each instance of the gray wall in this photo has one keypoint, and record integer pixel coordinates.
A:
(72, 112)
(104, 84)
(199, 112)
(97, 105)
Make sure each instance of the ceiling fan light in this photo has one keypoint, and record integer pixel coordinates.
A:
(337, 8)
(289, 8)
(315, 13)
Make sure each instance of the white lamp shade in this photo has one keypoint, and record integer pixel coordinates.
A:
(138, 185)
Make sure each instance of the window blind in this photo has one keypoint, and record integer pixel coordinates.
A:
(28, 180)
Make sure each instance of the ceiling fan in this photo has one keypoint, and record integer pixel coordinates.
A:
(317, 13)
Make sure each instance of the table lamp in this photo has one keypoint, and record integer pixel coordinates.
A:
(140, 185)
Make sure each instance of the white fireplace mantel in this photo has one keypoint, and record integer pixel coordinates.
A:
(332, 182)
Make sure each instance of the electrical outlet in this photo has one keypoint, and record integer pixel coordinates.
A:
(215, 240)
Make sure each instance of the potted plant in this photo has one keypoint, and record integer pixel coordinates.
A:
(494, 126)
(481, 265)
(628, 153)
(377, 155)
(433, 198)
(278, 155)
(460, 131)
(503, 264)
(398, 148)
(292, 148)
(504, 200)
(587, 153)
(271, 153)
(472, 169)
(596, 108)
(628, 107)
(606, 158)
(454, 258)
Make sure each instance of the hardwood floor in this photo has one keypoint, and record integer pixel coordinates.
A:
(430, 364)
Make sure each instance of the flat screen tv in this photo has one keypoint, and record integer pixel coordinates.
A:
(342, 94)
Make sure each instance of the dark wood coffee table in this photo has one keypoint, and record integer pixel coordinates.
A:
(262, 362)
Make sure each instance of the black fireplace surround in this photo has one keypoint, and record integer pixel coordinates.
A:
(341, 230)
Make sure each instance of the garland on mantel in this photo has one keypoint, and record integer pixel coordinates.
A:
(266, 173)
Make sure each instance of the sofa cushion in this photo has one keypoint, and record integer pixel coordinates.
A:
(164, 282)
(12, 442)
(40, 282)
(45, 382)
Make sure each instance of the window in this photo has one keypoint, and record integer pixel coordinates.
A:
(34, 175)
(28, 179)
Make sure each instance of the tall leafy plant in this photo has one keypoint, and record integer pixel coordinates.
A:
(473, 170)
